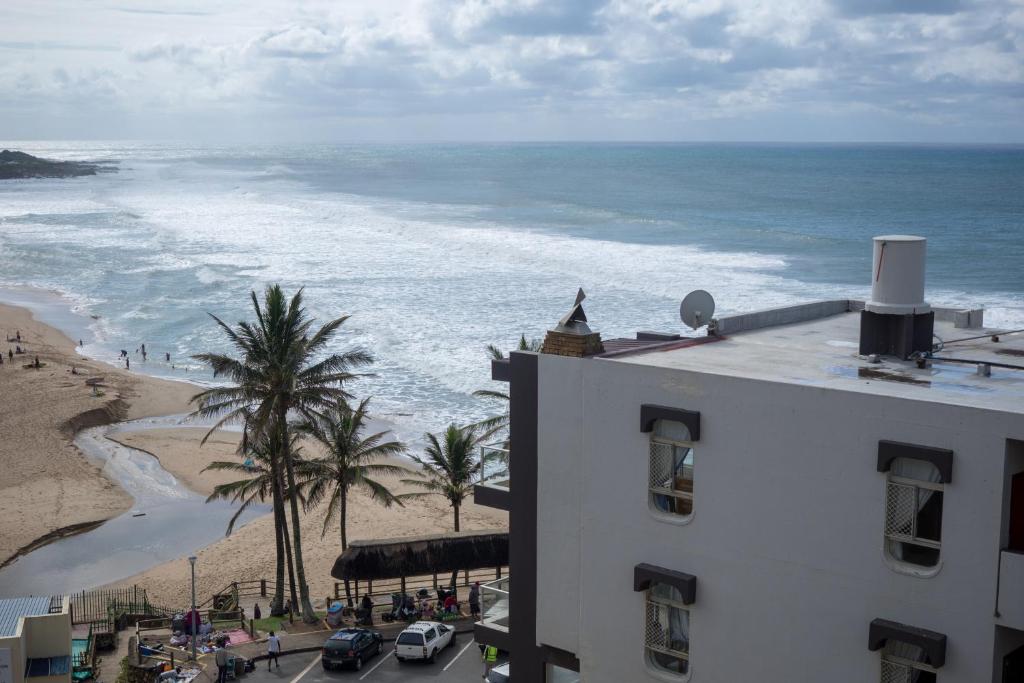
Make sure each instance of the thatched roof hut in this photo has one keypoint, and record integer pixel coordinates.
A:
(421, 555)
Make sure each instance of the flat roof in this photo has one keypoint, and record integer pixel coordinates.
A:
(13, 609)
(823, 353)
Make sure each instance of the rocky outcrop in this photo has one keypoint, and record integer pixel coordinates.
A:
(21, 165)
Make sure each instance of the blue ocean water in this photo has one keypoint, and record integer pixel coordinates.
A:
(438, 250)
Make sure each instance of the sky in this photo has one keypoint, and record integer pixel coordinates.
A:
(702, 70)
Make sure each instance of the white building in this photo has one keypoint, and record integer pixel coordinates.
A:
(35, 640)
(772, 502)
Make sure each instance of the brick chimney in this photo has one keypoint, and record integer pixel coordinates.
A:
(572, 336)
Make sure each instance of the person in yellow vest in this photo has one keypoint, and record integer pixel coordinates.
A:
(490, 657)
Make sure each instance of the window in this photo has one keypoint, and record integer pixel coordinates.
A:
(410, 639)
(913, 512)
(667, 633)
(904, 663)
(671, 469)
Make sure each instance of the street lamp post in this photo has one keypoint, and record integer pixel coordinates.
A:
(191, 618)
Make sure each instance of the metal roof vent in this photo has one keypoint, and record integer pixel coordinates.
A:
(897, 321)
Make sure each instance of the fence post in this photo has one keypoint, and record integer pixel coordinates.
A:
(403, 585)
(369, 586)
(498, 573)
(435, 581)
(263, 588)
(252, 628)
(135, 598)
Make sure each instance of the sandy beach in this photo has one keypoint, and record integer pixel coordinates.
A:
(47, 486)
(249, 552)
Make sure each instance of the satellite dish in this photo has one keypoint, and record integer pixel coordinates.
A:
(697, 308)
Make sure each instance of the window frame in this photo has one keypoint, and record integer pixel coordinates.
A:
(893, 481)
(653, 491)
(649, 650)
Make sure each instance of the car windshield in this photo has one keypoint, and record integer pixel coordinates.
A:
(408, 638)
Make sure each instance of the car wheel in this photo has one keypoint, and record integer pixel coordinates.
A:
(380, 648)
(430, 659)
(359, 663)
(400, 659)
(327, 667)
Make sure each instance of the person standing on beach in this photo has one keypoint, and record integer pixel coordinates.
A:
(273, 650)
(167, 357)
(127, 363)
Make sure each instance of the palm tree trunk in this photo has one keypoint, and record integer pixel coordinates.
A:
(343, 514)
(308, 615)
(277, 603)
(455, 507)
(289, 561)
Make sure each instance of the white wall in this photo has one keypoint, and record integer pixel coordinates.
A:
(786, 538)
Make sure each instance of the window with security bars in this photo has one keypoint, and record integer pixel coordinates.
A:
(913, 512)
(671, 469)
(904, 663)
(667, 630)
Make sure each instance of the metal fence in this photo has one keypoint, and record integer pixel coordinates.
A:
(101, 606)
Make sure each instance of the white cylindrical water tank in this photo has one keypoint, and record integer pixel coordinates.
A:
(897, 275)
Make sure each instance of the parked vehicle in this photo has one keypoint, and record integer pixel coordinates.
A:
(499, 674)
(351, 647)
(423, 640)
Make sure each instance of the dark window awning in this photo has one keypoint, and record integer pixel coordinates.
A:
(649, 414)
(940, 457)
(644, 575)
(933, 644)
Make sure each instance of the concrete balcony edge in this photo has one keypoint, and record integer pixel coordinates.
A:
(489, 635)
(492, 497)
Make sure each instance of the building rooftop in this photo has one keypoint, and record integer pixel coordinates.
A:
(823, 352)
(13, 609)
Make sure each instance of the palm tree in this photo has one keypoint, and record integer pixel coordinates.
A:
(495, 353)
(259, 482)
(348, 463)
(449, 467)
(278, 373)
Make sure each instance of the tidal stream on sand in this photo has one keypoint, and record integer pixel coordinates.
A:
(166, 521)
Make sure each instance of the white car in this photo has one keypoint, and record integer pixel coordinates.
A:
(499, 674)
(423, 640)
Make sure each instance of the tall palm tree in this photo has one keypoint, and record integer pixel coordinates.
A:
(283, 367)
(260, 481)
(349, 462)
(450, 466)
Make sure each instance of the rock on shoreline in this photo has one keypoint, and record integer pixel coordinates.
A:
(21, 165)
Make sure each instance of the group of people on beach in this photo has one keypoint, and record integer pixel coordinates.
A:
(145, 355)
(17, 350)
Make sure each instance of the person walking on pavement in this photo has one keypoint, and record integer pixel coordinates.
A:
(222, 665)
(490, 658)
(273, 650)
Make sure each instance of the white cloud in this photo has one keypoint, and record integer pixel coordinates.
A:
(551, 65)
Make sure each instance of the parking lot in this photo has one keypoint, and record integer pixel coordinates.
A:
(458, 664)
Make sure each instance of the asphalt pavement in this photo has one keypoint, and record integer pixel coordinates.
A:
(458, 664)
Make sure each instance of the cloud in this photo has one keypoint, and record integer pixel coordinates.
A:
(641, 67)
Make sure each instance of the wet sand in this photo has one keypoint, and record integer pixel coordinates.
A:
(47, 488)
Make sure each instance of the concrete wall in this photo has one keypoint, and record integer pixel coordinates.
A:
(786, 537)
(48, 635)
(14, 644)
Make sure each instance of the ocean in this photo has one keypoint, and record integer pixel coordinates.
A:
(438, 250)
